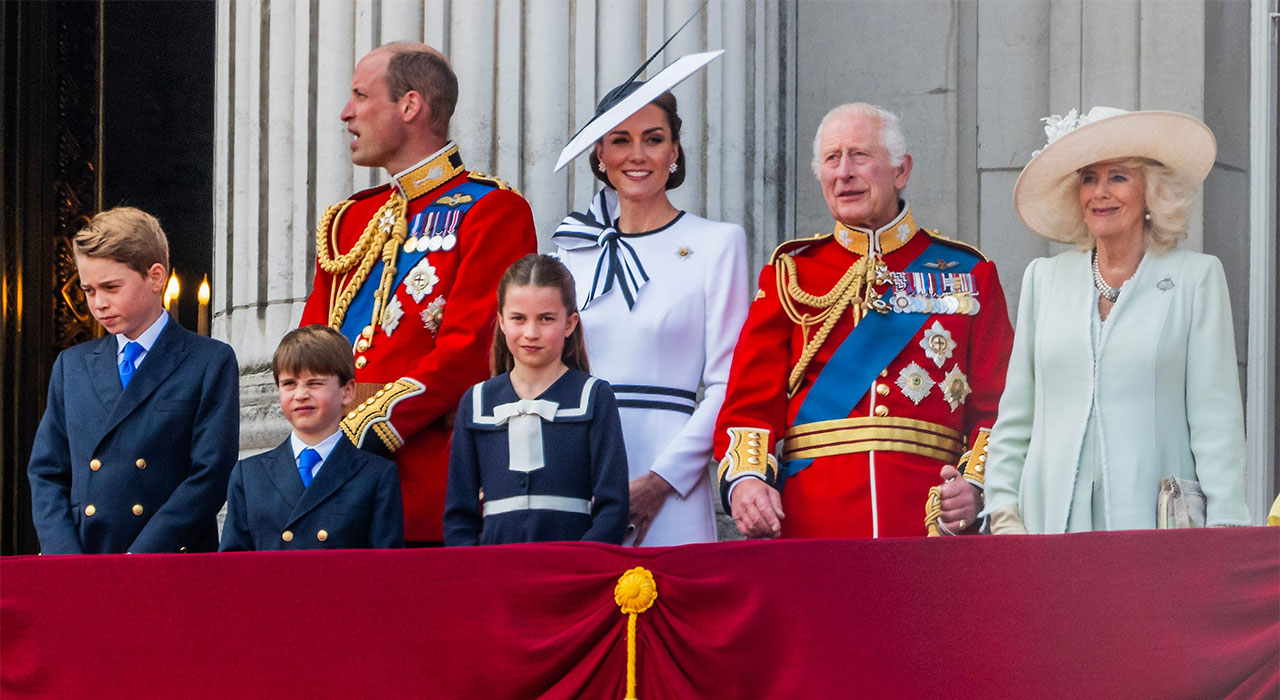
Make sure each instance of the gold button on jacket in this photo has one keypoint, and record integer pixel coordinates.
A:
(137, 509)
(90, 510)
(286, 536)
(882, 410)
(322, 535)
(142, 463)
(95, 464)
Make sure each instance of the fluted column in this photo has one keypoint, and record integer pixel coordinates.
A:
(531, 72)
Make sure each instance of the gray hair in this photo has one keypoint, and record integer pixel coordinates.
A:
(890, 131)
(1168, 202)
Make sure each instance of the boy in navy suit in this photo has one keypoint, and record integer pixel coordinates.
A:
(317, 490)
(141, 427)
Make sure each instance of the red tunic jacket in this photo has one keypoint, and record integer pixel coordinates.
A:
(922, 404)
(431, 339)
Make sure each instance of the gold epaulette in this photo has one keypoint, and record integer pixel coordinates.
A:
(374, 414)
(796, 245)
(491, 180)
(956, 244)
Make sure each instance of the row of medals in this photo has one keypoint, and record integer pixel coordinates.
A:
(907, 298)
(961, 303)
(433, 231)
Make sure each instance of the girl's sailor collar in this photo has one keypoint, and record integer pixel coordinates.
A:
(481, 416)
(883, 240)
(429, 173)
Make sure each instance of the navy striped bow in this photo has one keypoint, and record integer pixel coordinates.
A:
(618, 262)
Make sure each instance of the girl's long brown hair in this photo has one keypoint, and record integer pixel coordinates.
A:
(535, 270)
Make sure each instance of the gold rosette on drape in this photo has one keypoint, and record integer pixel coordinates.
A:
(635, 593)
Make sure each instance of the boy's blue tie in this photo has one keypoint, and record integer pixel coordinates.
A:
(132, 350)
(307, 460)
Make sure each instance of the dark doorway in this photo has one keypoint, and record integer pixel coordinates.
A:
(104, 103)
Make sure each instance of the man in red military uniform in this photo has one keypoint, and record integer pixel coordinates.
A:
(409, 271)
(875, 354)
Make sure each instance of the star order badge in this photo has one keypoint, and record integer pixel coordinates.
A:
(433, 314)
(391, 315)
(420, 280)
(938, 344)
(914, 382)
(955, 387)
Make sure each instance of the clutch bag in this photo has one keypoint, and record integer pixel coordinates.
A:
(1180, 504)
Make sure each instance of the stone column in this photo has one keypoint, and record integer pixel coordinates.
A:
(530, 74)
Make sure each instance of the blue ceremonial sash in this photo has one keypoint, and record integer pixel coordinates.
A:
(868, 349)
(360, 311)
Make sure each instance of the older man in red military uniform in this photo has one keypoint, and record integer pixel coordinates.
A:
(409, 271)
(875, 354)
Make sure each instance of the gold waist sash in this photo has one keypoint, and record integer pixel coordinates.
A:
(853, 435)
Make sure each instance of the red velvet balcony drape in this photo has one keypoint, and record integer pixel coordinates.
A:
(1187, 614)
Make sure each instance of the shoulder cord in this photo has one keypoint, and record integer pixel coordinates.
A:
(371, 245)
(833, 304)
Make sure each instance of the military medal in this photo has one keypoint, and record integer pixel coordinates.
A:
(914, 382)
(937, 343)
(391, 316)
(411, 242)
(955, 388)
(420, 280)
(432, 234)
(433, 315)
(933, 293)
(450, 238)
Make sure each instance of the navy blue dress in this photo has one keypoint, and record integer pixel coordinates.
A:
(543, 470)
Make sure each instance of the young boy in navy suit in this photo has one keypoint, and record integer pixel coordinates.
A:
(317, 490)
(141, 427)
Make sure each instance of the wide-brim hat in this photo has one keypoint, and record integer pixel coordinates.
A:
(627, 99)
(1046, 196)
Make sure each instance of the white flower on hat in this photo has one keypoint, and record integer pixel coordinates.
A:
(1057, 126)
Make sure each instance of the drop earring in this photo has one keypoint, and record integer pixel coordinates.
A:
(672, 168)
(600, 166)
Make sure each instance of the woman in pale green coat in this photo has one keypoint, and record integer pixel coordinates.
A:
(1123, 370)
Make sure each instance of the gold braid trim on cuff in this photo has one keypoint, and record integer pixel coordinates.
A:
(748, 454)
(974, 463)
(374, 415)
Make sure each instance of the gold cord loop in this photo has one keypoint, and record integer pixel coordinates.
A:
(856, 285)
(387, 225)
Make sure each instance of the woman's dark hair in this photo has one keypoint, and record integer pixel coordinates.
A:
(667, 103)
(536, 270)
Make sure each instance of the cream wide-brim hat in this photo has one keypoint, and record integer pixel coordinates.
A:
(1046, 196)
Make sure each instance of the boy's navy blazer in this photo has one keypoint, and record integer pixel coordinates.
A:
(139, 469)
(353, 502)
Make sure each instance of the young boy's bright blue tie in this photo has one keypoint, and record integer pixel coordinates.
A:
(307, 460)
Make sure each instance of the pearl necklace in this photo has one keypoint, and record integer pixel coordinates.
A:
(1107, 291)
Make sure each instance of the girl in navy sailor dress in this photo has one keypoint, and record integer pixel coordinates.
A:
(537, 453)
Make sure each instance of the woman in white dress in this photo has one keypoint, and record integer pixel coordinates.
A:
(665, 293)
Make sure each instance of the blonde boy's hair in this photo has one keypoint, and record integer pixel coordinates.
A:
(127, 235)
(316, 349)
